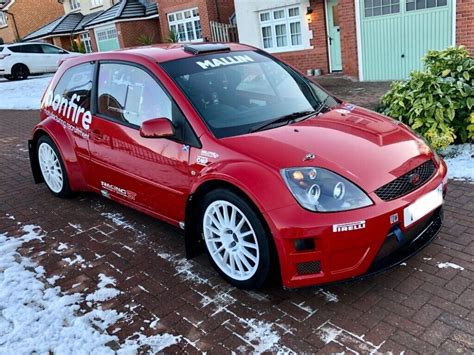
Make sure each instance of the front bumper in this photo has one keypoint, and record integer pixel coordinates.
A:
(382, 243)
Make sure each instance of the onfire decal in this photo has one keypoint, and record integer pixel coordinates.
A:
(68, 109)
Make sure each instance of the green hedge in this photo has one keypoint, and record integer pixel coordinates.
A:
(438, 102)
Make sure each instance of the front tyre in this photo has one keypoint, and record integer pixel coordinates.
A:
(52, 167)
(235, 239)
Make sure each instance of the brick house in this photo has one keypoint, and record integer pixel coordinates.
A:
(67, 31)
(367, 39)
(126, 24)
(101, 25)
(20, 17)
(191, 20)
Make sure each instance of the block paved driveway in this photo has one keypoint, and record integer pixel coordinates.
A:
(416, 308)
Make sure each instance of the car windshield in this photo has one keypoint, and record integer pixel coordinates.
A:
(239, 92)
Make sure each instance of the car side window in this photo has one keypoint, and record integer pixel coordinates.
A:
(32, 48)
(50, 49)
(16, 49)
(130, 95)
(77, 81)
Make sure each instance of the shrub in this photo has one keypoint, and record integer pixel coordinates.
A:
(145, 40)
(173, 37)
(438, 102)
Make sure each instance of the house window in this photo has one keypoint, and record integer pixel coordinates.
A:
(424, 4)
(96, 3)
(86, 40)
(281, 28)
(381, 7)
(3, 19)
(105, 35)
(74, 5)
(186, 24)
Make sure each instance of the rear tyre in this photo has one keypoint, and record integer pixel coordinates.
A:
(20, 72)
(235, 238)
(52, 167)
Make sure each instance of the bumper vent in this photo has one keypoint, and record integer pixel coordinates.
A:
(308, 268)
(407, 183)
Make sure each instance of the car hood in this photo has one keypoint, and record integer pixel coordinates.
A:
(363, 146)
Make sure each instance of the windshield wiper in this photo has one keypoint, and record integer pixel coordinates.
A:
(283, 119)
(322, 105)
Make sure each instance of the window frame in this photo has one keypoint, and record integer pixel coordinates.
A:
(3, 19)
(425, 8)
(271, 22)
(74, 5)
(53, 46)
(96, 3)
(184, 21)
(86, 38)
(194, 141)
(92, 104)
(391, 6)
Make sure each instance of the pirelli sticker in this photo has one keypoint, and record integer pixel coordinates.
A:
(347, 227)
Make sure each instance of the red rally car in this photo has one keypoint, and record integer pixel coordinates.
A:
(263, 169)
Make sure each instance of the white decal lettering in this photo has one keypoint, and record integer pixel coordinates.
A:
(68, 109)
(346, 227)
(230, 60)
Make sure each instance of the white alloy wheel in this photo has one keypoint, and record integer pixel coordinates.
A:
(231, 240)
(50, 167)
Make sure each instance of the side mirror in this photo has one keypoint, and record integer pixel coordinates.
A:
(63, 52)
(157, 128)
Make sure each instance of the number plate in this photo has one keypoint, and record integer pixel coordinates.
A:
(423, 206)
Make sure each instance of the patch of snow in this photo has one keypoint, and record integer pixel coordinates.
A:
(450, 265)
(24, 94)
(52, 280)
(329, 296)
(354, 343)
(62, 246)
(77, 259)
(460, 161)
(76, 226)
(37, 319)
(156, 343)
(261, 336)
(154, 323)
(104, 293)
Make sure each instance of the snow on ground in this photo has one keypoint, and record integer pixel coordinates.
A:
(450, 265)
(38, 318)
(460, 161)
(23, 94)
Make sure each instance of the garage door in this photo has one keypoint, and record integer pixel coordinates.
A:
(107, 39)
(396, 34)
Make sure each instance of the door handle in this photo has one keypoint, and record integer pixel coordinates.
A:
(98, 136)
(403, 55)
(330, 40)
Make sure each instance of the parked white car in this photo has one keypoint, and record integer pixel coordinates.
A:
(19, 60)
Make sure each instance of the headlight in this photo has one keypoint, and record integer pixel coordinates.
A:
(321, 190)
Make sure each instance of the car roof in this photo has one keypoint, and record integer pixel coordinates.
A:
(21, 44)
(167, 52)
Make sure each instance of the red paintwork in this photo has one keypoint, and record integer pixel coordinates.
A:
(365, 147)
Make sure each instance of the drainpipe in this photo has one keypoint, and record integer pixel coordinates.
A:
(14, 23)
(218, 12)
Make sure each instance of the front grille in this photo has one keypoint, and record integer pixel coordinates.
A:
(308, 268)
(402, 185)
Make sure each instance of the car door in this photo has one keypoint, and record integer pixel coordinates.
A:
(30, 55)
(51, 57)
(148, 172)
